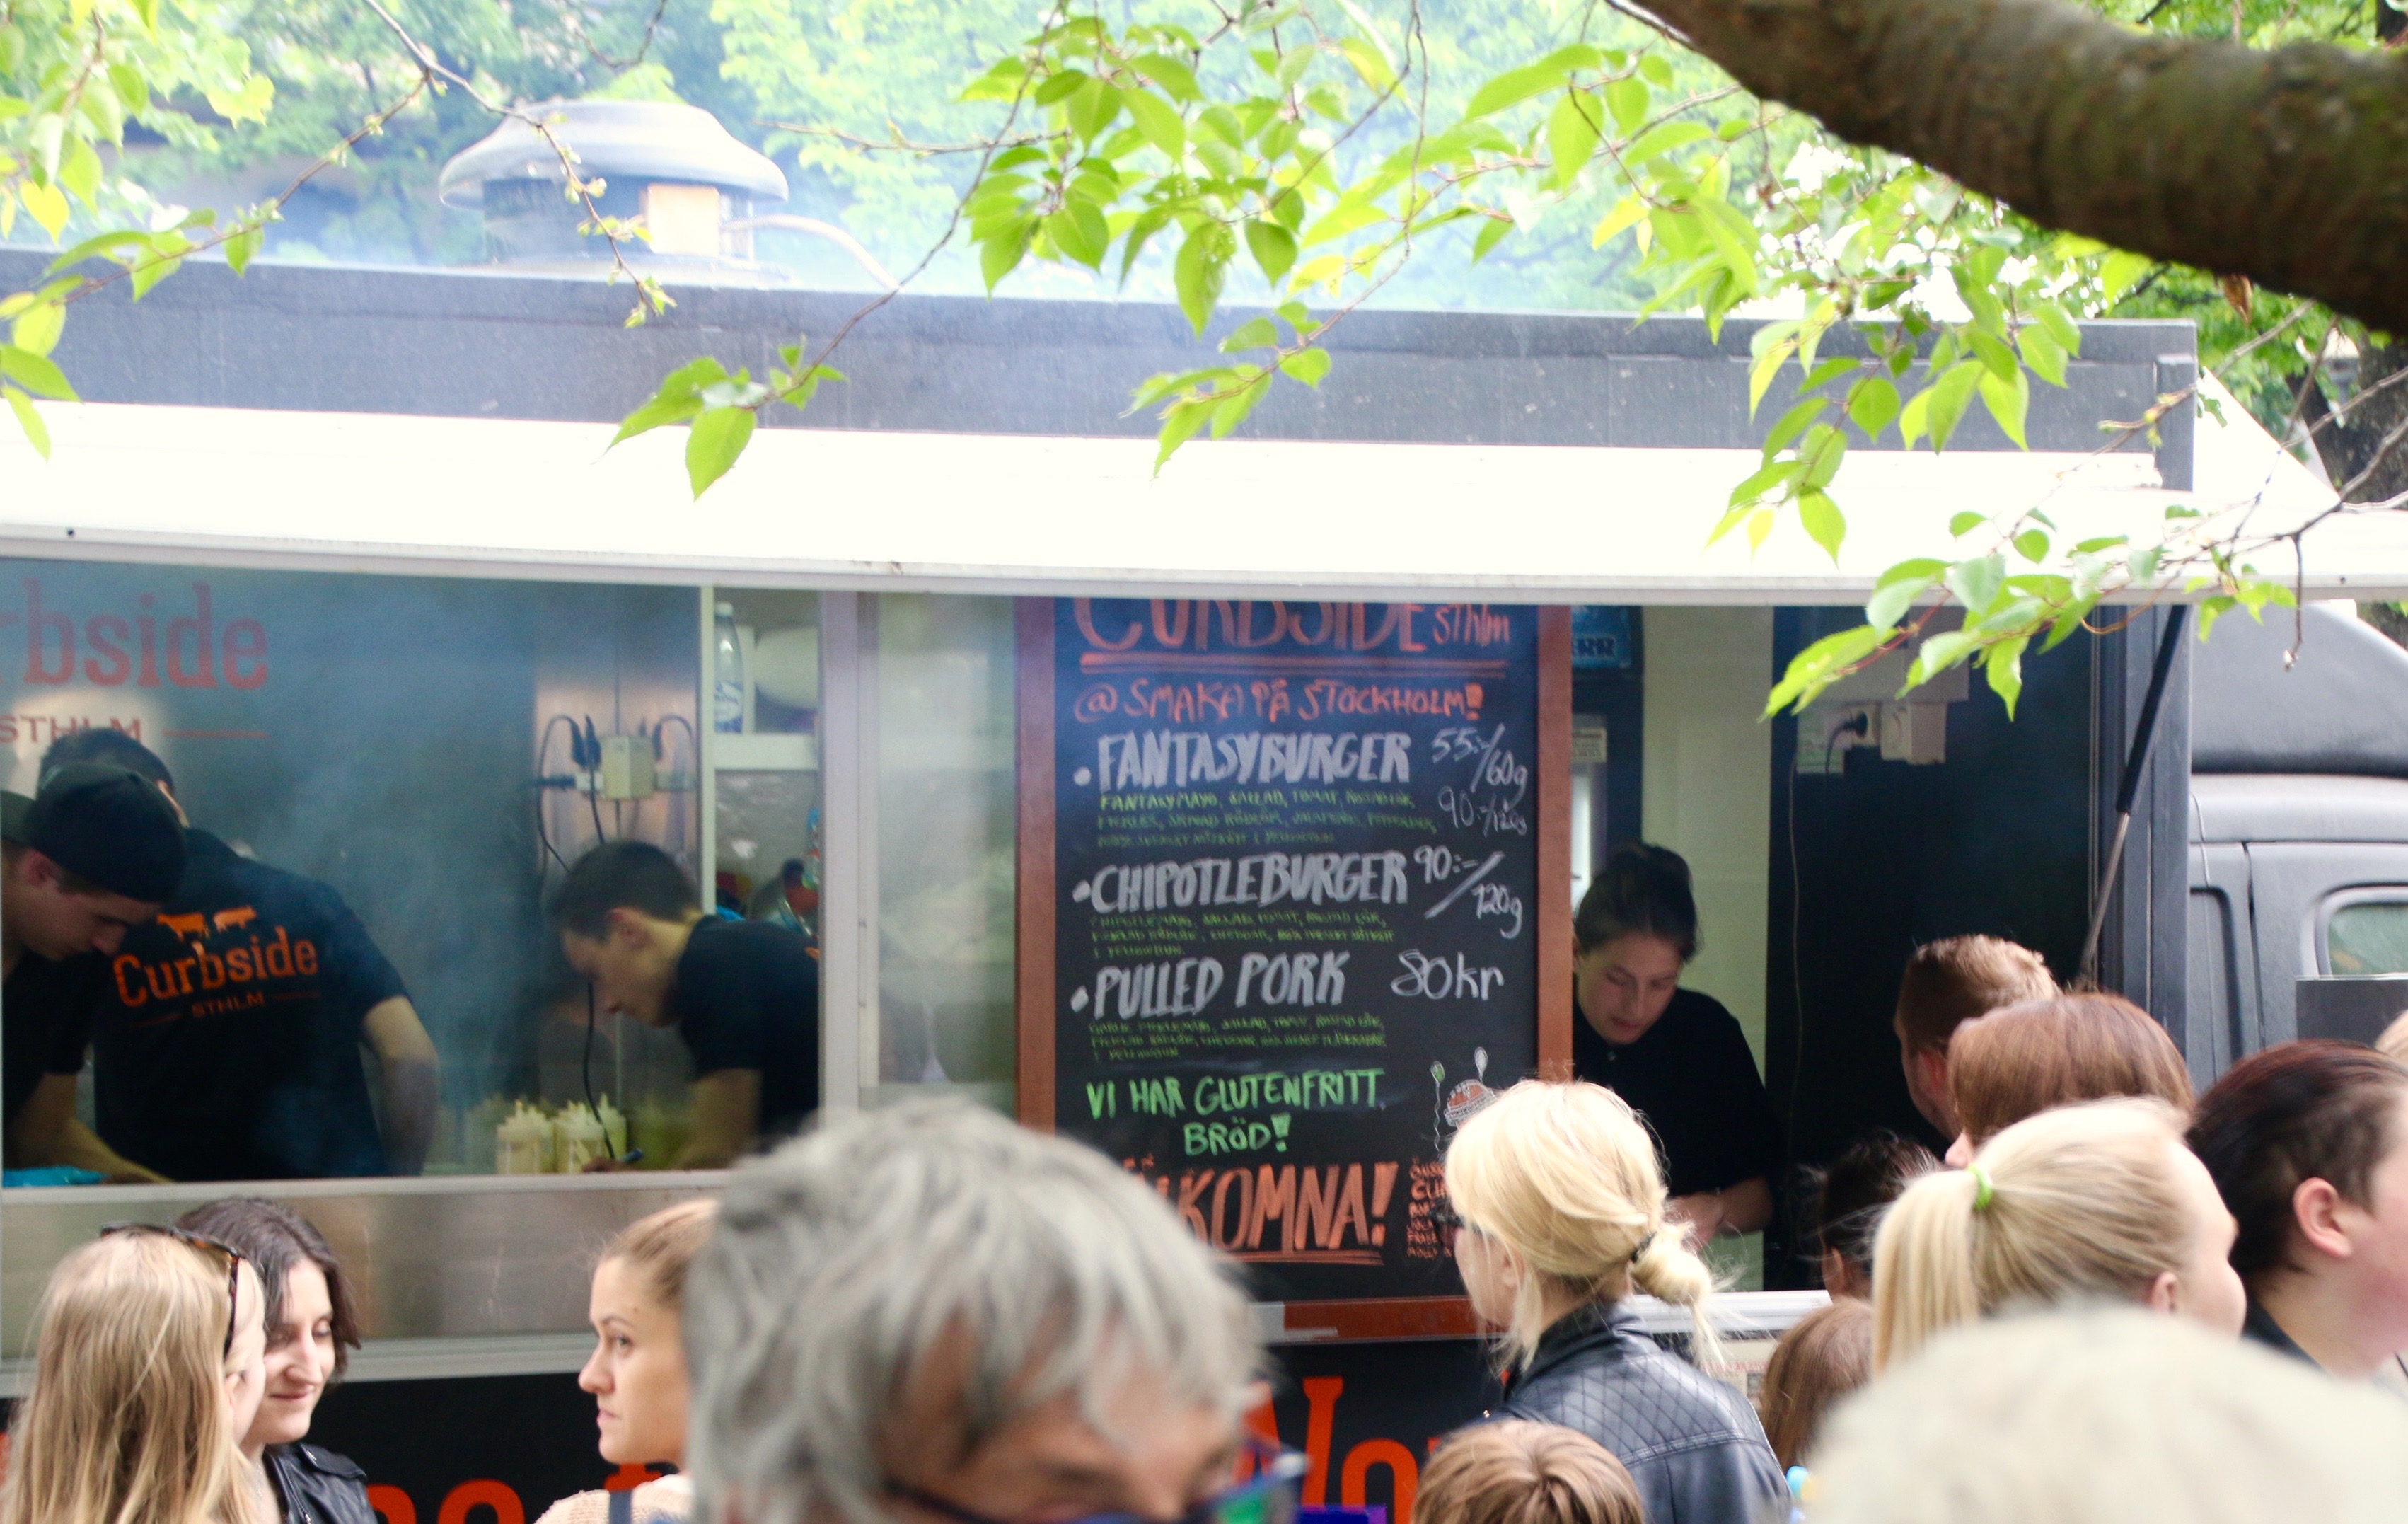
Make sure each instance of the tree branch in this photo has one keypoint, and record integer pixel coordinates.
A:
(2289, 166)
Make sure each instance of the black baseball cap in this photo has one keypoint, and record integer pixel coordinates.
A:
(106, 826)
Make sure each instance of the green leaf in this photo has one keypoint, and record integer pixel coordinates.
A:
(678, 398)
(1176, 79)
(1080, 232)
(2008, 402)
(1793, 424)
(1573, 135)
(714, 443)
(1657, 141)
(1253, 333)
(1897, 589)
(1179, 426)
(1659, 72)
(1950, 394)
(2052, 317)
(1273, 248)
(1627, 213)
(1306, 366)
(243, 247)
(2142, 566)
(1820, 456)
(160, 263)
(1977, 582)
(35, 373)
(1873, 405)
(37, 434)
(132, 90)
(2032, 546)
(249, 103)
(1628, 99)
(1779, 473)
(1515, 86)
(1094, 107)
(1819, 666)
(2004, 666)
(1231, 411)
(48, 204)
(1767, 366)
(1936, 655)
(1002, 253)
(1160, 122)
(1825, 525)
(2120, 271)
(2041, 352)
(1490, 236)
(1373, 68)
(1996, 355)
(1966, 523)
(1200, 272)
(37, 329)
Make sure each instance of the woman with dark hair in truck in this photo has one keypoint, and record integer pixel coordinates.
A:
(311, 1328)
(2308, 1143)
(1677, 1055)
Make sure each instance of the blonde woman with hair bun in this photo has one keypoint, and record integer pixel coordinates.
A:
(2097, 1202)
(148, 1369)
(1561, 1214)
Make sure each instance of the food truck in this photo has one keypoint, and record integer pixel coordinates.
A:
(1229, 816)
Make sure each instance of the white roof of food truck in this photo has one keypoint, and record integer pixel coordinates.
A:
(1033, 514)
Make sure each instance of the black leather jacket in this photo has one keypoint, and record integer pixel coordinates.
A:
(1691, 1443)
(316, 1487)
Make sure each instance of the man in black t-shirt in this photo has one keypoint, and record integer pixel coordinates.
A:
(226, 1043)
(82, 867)
(744, 995)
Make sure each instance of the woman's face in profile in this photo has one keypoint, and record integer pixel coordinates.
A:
(1624, 985)
(637, 1372)
(246, 1373)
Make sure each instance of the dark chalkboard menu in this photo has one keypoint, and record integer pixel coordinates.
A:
(1293, 896)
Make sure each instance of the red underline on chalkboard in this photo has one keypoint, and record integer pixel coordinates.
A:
(216, 735)
(1337, 667)
(1313, 1257)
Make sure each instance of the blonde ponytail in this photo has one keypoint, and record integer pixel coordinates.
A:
(1565, 1175)
(2077, 1201)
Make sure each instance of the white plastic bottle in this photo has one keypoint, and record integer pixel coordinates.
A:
(728, 673)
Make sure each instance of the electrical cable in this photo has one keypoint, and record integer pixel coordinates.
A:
(542, 785)
(586, 1067)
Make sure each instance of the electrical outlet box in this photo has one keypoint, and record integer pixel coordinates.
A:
(626, 767)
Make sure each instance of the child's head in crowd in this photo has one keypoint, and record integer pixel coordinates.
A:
(1850, 1198)
(1521, 1473)
(1824, 1357)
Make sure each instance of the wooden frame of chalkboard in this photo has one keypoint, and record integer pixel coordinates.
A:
(1310, 851)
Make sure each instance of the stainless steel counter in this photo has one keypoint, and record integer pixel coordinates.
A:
(480, 1267)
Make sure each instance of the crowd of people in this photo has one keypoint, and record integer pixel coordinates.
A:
(2116, 1302)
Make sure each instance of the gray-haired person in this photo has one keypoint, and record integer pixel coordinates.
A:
(929, 1316)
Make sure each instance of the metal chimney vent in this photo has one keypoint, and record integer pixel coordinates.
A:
(673, 165)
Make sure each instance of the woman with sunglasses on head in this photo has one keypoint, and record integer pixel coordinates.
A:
(147, 1372)
(1563, 1217)
(310, 1330)
(637, 1373)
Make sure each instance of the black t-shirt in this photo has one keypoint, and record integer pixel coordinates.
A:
(45, 1022)
(1692, 1076)
(748, 996)
(228, 1043)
